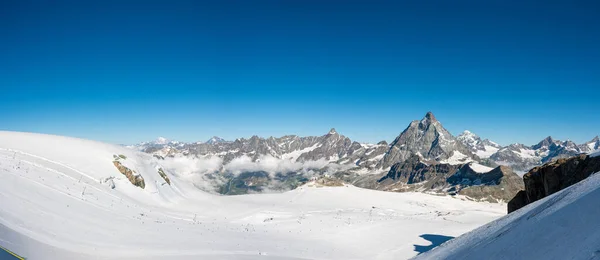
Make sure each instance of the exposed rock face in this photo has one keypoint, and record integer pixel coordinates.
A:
(427, 138)
(136, 180)
(498, 184)
(329, 182)
(413, 170)
(164, 175)
(545, 180)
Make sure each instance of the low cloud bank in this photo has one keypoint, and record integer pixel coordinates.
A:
(185, 166)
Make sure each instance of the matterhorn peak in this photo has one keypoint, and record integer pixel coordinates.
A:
(428, 119)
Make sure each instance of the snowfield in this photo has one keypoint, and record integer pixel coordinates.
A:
(561, 226)
(62, 198)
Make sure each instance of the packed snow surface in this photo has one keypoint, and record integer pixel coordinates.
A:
(457, 158)
(489, 150)
(480, 168)
(62, 198)
(561, 226)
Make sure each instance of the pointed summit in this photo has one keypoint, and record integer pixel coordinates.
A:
(332, 131)
(596, 139)
(430, 116)
(426, 137)
(544, 143)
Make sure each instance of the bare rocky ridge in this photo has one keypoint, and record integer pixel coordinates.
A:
(552, 177)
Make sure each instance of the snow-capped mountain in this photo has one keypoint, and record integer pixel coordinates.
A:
(215, 140)
(591, 146)
(332, 148)
(482, 148)
(335, 154)
(428, 139)
(522, 158)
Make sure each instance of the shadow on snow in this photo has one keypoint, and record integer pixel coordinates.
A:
(435, 240)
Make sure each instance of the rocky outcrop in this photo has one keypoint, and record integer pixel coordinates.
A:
(164, 176)
(136, 180)
(329, 182)
(497, 185)
(549, 178)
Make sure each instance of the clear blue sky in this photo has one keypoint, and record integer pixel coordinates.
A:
(511, 71)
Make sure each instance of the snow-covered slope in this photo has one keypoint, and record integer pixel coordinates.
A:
(58, 200)
(561, 226)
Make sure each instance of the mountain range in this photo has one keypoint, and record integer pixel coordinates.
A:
(424, 141)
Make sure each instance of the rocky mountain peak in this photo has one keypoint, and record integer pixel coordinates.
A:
(332, 132)
(427, 138)
(596, 139)
(430, 117)
(544, 143)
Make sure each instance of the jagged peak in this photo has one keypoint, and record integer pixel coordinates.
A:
(468, 133)
(430, 116)
(383, 142)
(545, 142)
(549, 139)
(332, 131)
(595, 139)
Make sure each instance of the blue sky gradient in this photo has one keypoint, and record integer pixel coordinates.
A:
(510, 71)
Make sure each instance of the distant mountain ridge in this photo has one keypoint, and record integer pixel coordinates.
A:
(336, 154)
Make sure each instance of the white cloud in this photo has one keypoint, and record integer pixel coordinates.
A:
(272, 165)
(197, 170)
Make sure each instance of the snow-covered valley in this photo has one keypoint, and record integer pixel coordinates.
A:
(63, 198)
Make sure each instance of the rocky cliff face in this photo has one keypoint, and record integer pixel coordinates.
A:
(549, 178)
(414, 174)
(499, 184)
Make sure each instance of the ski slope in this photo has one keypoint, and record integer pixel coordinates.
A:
(561, 226)
(62, 198)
